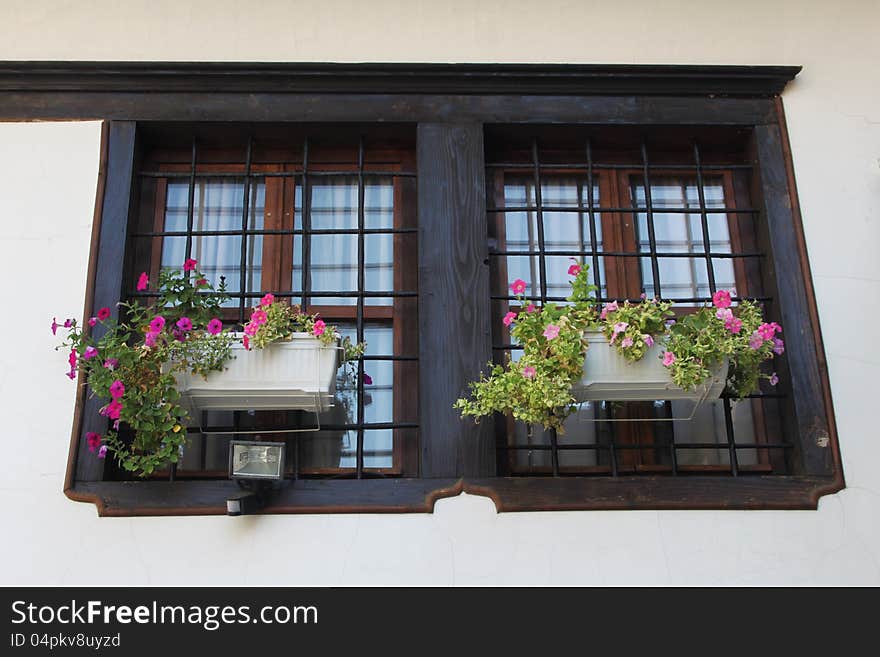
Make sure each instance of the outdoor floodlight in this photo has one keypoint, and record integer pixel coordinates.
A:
(257, 467)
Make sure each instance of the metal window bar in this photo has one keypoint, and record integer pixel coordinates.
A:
(704, 220)
(245, 215)
(361, 277)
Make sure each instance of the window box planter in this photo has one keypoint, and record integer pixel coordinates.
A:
(296, 374)
(609, 376)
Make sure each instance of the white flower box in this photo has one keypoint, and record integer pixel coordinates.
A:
(609, 376)
(297, 374)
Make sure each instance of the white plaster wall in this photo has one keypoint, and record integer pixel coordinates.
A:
(47, 185)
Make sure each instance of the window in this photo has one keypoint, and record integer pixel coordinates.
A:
(315, 217)
(699, 233)
(667, 180)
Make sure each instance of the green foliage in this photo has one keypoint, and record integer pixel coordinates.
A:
(633, 328)
(124, 355)
(537, 388)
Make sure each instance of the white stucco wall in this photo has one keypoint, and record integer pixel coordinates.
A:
(47, 186)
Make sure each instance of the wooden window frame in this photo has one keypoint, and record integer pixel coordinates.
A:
(449, 104)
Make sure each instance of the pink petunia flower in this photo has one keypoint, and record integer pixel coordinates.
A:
(93, 321)
(143, 282)
(531, 308)
(102, 451)
(368, 380)
(319, 327)
(94, 440)
(774, 379)
(246, 342)
(201, 282)
(643, 296)
(111, 364)
(259, 317)
(766, 331)
(734, 324)
(776, 327)
(778, 346)
(150, 338)
(71, 374)
(117, 389)
(608, 308)
(55, 325)
(267, 300)
(574, 270)
(114, 408)
(251, 329)
(529, 372)
(68, 323)
(626, 342)
(668, 358)
(518, 286)
(508, 319)
(190, 264)
(620, 327)
(184, 324)
(551, 332)
(157, 324)
(755, 341)
(721, 299)
(90, 352)
(103, 314)
(724, 314)
(649, 341)
(71, 359)
(215, 326)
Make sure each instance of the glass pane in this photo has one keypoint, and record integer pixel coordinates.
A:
(218, 205)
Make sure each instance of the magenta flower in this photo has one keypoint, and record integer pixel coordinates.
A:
(103, 314)
(721, 299)
(111, 363)
(320, 327)
(251, 329)
(368, 380)
(143, 282)
(90, 352)
(766, 331)
(190, 264)
(668, 358)
(734, 324)
(774, 379)
(113, 409)
(776, 327)
(724, 314)
(518, 286)
(71, 374)
(649, 341)
(574, 270)
(179, 334)
(201, 282)
(102, 451)
(259, 317)
(150, 338)
(531, 308)
(93, 321)
(755, 341)
(68, 323)
(778, 346)
(246, 342)
(620, 327)
(184, 324)
(157, 324)
(626, 342)
(267, 300)
(529, 372)
(71, 359)
(55, 325)
(94, 440)
(508, 319)
(117, 389)
(551, 331)
(215, 326)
